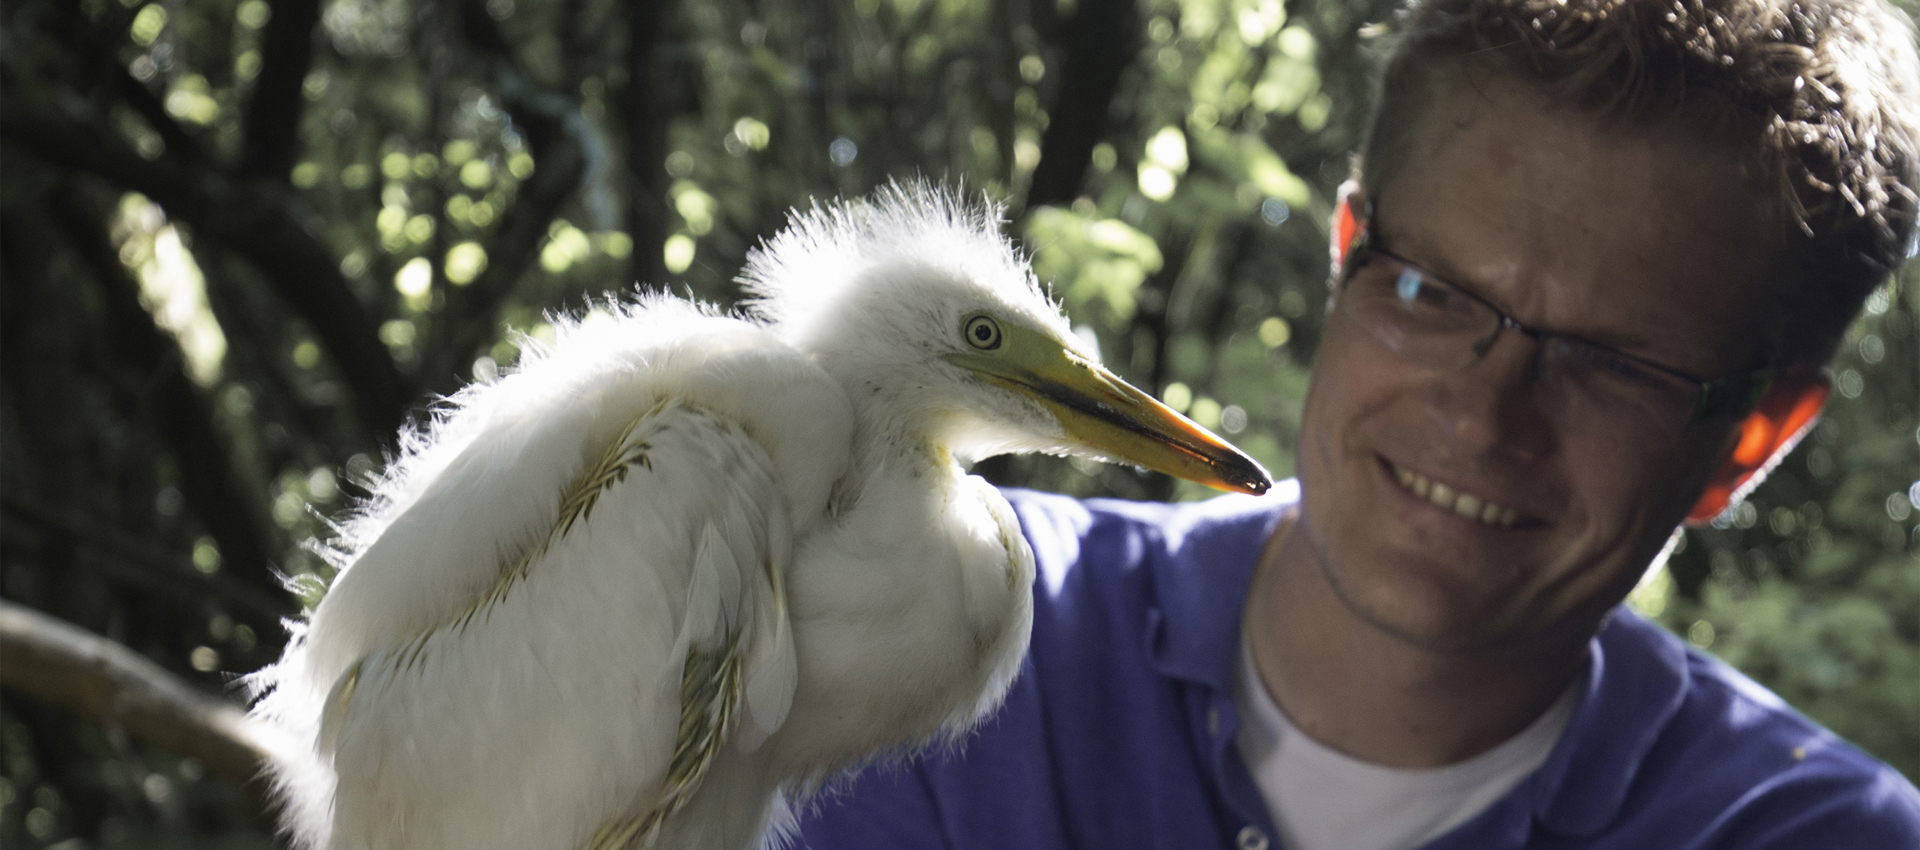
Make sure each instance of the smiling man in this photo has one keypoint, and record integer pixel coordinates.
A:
(1586, 286)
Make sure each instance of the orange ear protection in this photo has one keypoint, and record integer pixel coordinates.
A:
(1783, 416)
(1346, 225)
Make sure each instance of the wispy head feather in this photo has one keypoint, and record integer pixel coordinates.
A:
(826, 251)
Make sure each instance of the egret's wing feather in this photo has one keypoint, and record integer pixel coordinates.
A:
(773, 669)
(714, 593)
(595, 686)
(770, 667)
(441, 525)
(506, 658)
(736, 607)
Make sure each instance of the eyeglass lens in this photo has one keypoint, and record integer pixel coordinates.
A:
(1584, 386)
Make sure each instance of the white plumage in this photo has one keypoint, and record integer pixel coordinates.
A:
(680, 565)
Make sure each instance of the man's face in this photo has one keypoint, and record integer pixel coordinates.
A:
(1645, 244)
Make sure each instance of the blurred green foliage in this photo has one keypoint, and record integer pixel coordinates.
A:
(1812, 584)
(233, 265)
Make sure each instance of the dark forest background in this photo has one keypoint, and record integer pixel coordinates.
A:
(242, 243)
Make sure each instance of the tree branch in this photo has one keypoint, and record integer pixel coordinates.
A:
(97, 678)
(567, 151)
(1103, 39)
(647, 123)
(256, 328)
(273, 112)
(150, 107)
(134, 561)
(230, 505)
(258, 221)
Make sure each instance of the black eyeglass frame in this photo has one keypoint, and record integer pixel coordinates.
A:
(1735, 394)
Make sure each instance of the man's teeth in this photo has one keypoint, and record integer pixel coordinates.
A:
(1449, 499)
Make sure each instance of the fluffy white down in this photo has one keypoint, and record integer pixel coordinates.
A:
(553, 711)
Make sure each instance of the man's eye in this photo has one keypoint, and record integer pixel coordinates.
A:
(1604, 363)
(1416, 290)
(1408, 286)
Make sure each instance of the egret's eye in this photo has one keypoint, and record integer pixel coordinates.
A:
(983, 333)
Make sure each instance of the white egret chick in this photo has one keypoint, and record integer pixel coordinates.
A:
(680, 566)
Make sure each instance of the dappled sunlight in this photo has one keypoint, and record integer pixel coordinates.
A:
(171, 285)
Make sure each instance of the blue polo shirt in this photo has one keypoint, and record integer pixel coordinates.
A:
(1119, 731)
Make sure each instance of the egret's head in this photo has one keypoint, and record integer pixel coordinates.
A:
(935, 324)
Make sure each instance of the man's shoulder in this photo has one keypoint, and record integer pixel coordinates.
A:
(1105, 739)
(1105, 540)
(1732, 752)
(1721, 706)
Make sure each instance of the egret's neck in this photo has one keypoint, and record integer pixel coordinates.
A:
(897, 430)
(888, 442)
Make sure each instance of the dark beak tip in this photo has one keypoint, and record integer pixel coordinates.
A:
(1252, 479)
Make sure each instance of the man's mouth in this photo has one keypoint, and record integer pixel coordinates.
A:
(1448, 499)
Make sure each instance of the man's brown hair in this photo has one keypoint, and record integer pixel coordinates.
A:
(1817, 97)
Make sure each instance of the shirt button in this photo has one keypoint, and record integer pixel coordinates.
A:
(1251, 838)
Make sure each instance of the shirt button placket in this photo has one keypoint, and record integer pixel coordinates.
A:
(1251, 838)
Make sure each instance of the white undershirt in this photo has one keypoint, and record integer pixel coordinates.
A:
(1323, 799)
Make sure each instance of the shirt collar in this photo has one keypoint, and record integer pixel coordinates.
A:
(1200, 576)
(1636, 682)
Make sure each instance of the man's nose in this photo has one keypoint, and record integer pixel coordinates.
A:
(1495, 404)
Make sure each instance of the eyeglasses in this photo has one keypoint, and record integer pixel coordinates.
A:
(1428, 320)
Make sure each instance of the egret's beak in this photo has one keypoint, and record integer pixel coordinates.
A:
(1104, 413)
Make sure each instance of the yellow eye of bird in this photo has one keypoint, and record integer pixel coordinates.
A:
(983, 333)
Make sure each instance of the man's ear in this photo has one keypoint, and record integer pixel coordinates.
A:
(1764, 438)
(1346, 222)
